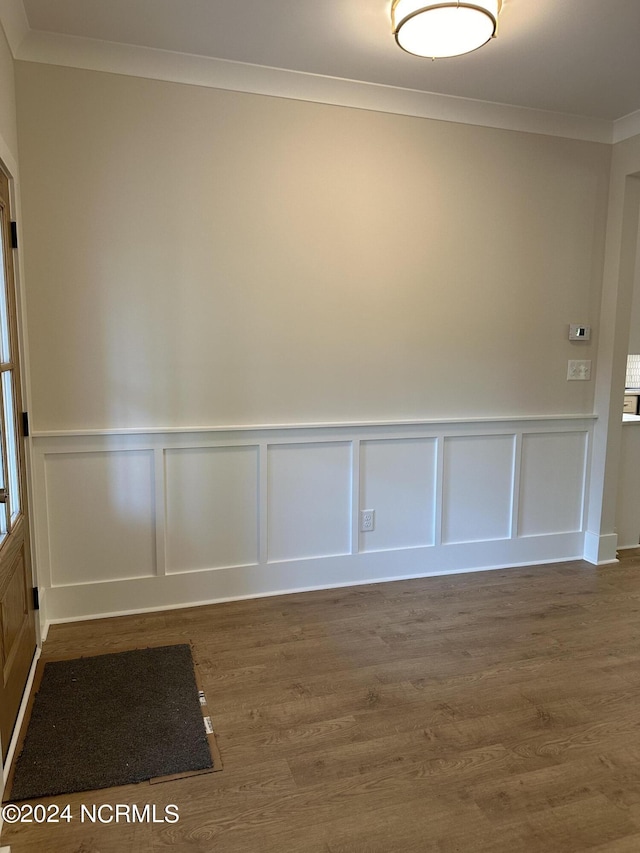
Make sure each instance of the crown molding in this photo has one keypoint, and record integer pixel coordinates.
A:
(155, 64)
(626, 127)
(13, 19)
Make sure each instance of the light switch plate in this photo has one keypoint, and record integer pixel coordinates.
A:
(579, 369)
(579, 333)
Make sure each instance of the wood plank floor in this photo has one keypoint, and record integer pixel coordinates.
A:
(497, 711)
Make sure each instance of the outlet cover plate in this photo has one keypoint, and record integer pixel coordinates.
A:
(367, 520)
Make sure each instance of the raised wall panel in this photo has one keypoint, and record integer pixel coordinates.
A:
(101, 515)
(477, 488)
(309, 500)
(397, 480)
(133, 522)
(211, 507)
(551, 483)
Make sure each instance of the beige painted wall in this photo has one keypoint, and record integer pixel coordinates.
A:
(8, 126)
(627, 157)
(200, 257)
(634, 328)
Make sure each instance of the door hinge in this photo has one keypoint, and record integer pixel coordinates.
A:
(25, 424)
(36, 599)
(14, 235)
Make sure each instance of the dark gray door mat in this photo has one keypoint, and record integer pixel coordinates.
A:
(114, 719)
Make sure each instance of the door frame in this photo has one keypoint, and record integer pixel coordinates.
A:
(10, 167)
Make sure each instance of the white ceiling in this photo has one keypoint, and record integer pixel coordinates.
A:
(579, 57)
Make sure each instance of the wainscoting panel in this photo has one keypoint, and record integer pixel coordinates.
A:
(309, 503)
(141, 520)
(101, 516)
(552, 483)
(211, 507)
(477, 488)
(398, 480)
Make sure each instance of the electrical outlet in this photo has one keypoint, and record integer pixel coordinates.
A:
(367, 520)
(579, 369)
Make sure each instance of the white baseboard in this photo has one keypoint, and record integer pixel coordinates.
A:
(188, 589)
(600, 550)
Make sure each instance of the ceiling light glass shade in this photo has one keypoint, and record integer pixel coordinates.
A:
(444, 29)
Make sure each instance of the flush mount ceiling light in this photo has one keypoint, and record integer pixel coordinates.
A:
(444, 29)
